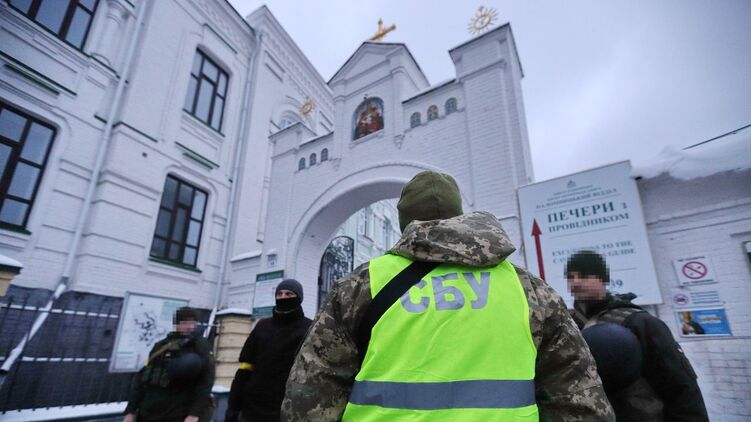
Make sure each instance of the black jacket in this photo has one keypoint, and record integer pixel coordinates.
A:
(156, 395)
(665, 367)
(270, 349)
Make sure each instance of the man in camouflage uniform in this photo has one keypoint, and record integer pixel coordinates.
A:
(567, 387)
(175, 385)
(665, 387)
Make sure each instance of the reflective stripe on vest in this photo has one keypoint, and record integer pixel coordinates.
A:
(456, 346)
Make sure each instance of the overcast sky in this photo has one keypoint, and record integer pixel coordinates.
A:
(604, 81)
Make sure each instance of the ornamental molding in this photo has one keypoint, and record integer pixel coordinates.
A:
(298, 74)
(221, 19)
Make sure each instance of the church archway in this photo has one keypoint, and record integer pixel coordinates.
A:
(482, 144)
(317, 226)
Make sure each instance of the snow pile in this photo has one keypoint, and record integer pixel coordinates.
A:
(85, 411)
(431, 88)
(9, 262)
(219, 389)
(730, 153)
(234, 311)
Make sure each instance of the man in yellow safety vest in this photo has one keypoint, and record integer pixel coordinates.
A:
(444, 328)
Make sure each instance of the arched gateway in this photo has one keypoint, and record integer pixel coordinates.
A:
(474, 130)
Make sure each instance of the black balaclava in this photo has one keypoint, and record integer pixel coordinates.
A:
(292, 303)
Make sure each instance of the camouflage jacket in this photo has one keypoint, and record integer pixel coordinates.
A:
(566, 381)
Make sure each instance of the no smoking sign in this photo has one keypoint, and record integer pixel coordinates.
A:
(694, 270)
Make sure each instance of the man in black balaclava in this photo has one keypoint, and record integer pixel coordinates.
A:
(266, 358)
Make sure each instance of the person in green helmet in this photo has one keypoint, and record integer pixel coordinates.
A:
(444, 328)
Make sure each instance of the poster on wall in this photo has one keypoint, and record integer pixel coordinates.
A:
(599, 210)
(692, 297)
(145, 320)
(694, 270)
(710, 322)
(264, 297)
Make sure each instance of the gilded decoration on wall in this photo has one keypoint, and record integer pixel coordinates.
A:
(483, 19)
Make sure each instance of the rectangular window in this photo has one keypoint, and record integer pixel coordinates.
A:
(207, 91)
(370, 223)
(386, 233)
(362, 222)
(24, 148)
(70, 20)
(179, 223)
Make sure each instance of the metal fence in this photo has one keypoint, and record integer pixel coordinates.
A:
(67, 361)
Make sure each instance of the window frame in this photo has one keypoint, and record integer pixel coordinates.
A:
(369, 224)
(324, 154)
(386, 232)
(415, 119)
(176, 206)
(301, 164)
(14, 158)
(453, 109)
(435, 117)
(313, 159)
(70, 12)
(195, 95)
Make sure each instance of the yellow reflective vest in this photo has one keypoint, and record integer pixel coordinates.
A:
(456, 347)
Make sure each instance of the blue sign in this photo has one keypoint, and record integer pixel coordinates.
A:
(703, 322)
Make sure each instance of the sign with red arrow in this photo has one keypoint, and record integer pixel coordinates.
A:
(538, 248)
(597, 210)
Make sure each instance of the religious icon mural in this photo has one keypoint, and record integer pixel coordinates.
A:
(368, 117)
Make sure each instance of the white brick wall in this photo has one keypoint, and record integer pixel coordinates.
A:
(712, 216)
(114, 253)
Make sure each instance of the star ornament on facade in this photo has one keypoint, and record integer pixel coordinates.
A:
(307, 107)
(483, 19)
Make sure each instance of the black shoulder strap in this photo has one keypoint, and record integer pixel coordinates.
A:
(386, 297)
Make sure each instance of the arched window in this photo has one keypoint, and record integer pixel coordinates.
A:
(450, 105)
(368, 118)
(285, 123)
(432, 112)
(324, 155)
(313, 159)
(301, 164)
(287, 119)
(414, 120)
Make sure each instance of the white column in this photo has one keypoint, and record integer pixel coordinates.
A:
(109, 45)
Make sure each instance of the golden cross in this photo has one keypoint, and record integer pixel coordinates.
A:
(382, 31)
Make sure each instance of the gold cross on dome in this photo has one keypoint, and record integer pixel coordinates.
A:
(382, 31)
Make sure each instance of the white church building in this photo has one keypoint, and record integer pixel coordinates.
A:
(176, 152)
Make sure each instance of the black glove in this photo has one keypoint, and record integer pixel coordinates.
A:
(231, 416)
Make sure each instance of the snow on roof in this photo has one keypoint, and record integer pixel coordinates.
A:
(9, 262)
(246, 255)
(234, 311)
(728, 153)
(430, 88)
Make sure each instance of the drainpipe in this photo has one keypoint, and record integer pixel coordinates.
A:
(243, 130)
(84, 214)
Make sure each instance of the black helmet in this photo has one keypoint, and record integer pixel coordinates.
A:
(617, 353)
(185, 366)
